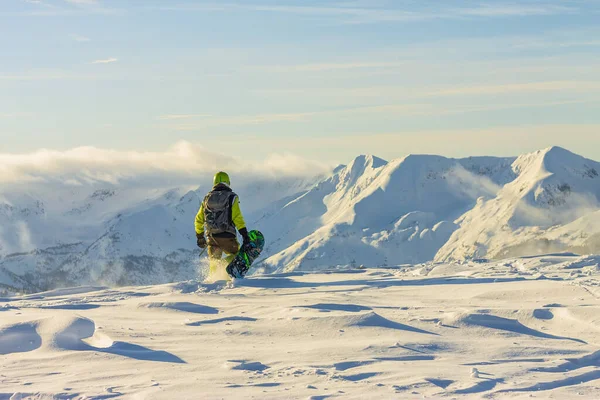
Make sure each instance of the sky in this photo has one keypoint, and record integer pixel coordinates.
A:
(321, 80)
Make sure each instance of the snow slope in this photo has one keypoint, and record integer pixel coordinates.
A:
(518, 328)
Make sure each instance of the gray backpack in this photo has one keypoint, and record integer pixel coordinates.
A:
(217, 212)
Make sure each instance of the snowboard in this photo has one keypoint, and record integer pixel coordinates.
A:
(238, 268)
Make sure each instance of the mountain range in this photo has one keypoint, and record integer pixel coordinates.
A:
(370, 213)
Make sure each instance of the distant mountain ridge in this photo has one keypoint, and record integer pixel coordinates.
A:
(370, 212)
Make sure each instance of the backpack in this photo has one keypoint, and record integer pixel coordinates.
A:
(218, 206)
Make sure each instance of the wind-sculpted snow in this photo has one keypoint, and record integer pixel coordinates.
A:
(466, 330)
(507, 325)
(184, 307)
(19, 338)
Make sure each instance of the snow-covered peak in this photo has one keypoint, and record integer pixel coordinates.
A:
(555, 177)
(367, 161)
(556, 160)
(561, 161)
(361, 165)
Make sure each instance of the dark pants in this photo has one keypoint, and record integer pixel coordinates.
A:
(218, 245)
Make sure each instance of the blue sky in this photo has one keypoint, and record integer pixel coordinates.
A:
(322, 79)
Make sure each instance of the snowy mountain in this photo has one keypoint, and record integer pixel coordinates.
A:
(113, 235)
(421, 208)
(550, 206)
(370, 212)
(376, 213)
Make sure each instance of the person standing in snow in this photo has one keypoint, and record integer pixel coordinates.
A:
(217, 220)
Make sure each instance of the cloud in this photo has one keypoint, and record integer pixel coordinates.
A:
(182, 163)
(471, 185)
(16, 115)
(170, 117)
(63, 8)
(82, 2)
(107, 61)
(517, 88)
(353, 13)
(419, 109)
(345, 13)
(80, 38)
(367, 13)
(515, 10)
(328, 66)
(234, 120)
(442, 90)
(43, 75)
(262, 119)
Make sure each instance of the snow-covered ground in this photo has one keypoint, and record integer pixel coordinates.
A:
(517, 328)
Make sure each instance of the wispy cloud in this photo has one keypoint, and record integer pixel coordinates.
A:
(16, 115)
(48, 76)
(44, 4)
(82, 2)
(357, 13)
(80, 38)
(263, 119)
(258, 119)
(421, 92)
(345, 13)
(106, 61)
(319, 67)
(529, 87)
(394, 110)
(63, 8)
(170, 117)
(505, 106)
(515, 10)
(428, 109)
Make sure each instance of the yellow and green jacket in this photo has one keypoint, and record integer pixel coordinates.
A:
(220, 213)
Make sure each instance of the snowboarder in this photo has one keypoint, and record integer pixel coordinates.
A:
(216, 223)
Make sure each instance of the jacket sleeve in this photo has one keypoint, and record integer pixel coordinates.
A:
(236, 215)
(199, 221)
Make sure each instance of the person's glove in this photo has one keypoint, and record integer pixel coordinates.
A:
(200, 240)
(246, 244)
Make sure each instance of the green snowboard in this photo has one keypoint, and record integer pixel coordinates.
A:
(238, 268)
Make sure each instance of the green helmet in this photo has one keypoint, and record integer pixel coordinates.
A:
(221, 177)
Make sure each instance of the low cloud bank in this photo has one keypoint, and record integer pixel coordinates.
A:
(184, 162)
